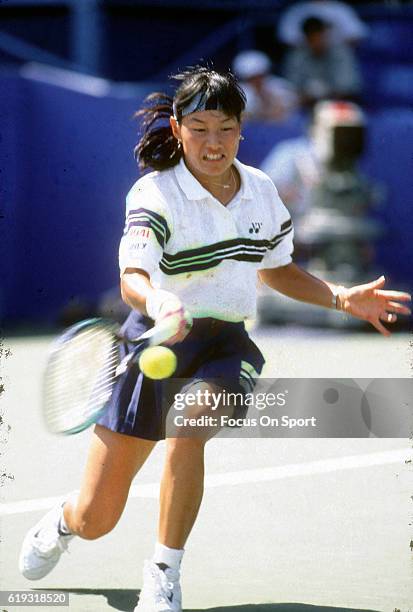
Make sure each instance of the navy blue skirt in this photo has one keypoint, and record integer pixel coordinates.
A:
(213, 351)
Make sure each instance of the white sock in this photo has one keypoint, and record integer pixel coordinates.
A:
(62, 527)
(172, 557)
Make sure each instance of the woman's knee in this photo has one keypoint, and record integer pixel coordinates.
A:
(185, 451)
(190, 444)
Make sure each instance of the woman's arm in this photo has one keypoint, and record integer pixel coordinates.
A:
(135, 287)
(298, 284)
(138, 293)
(368, 302)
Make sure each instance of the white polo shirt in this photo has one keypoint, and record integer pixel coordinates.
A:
(206, 253)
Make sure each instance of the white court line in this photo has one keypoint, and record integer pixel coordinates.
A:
(267, 474)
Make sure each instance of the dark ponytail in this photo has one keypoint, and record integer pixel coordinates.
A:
(157, 148)
(201, 88)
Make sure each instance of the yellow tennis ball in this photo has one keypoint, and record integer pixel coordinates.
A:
(157, 362)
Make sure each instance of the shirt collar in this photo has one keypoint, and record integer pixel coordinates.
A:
(195, 191)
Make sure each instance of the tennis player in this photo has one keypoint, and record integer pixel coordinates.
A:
(198, 230)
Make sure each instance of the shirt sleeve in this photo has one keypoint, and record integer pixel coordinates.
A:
(147, 230)
(280, 246)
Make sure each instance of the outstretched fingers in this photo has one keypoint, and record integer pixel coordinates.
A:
(399, 308)
(376, 305)
(400, 296)
(388, 317)
(380, 328)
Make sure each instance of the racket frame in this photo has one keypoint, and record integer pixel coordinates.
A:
(155, 336)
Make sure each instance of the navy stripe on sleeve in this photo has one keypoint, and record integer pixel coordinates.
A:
(144, 217)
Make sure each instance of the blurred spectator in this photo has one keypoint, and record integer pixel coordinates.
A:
(269, 97)
(329, 198)
(321, 69)
(346, 26)
(295, 168)
(296, 165)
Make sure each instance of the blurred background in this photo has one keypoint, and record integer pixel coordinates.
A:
(73, 72)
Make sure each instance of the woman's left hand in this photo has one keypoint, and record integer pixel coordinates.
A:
(371, 303)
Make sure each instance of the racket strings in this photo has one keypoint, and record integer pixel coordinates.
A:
(80, 378)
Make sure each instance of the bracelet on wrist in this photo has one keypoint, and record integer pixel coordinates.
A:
(336, 301)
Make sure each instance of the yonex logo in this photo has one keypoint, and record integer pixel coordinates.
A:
(255, 228)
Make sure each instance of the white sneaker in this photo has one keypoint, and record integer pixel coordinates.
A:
(43, 546)
(161, 591)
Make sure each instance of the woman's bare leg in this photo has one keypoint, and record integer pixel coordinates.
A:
(182, 488)
(182, 483)
(113, 461)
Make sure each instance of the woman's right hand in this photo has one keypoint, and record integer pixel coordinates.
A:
(180, 319)
(165, 308)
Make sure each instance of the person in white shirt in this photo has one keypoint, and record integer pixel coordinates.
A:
(346, 25)
(198, 230)
(269, 97)
(295, 168)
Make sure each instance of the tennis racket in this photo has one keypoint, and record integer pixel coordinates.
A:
(83, 366)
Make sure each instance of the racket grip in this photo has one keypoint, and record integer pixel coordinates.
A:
(167, 328)
(124, 364)
(164, 331)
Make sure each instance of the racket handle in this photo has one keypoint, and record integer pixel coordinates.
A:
(166, 329)
(162, 332)
(125, 363)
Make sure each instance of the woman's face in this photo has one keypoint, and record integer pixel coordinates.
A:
(210, 141)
